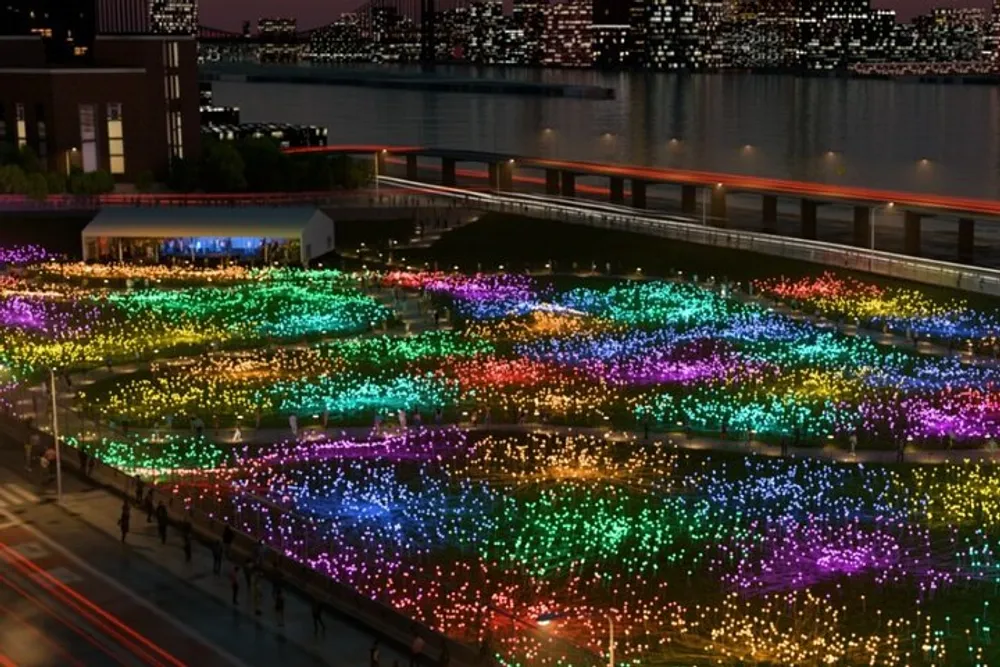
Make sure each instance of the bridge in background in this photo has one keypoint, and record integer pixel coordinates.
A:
(626, 186)
(630, 185)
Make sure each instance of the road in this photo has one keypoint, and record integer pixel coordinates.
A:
(57, 607)
(83, 596)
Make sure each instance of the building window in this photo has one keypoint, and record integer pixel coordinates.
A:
(171, 55)
(88, 137)
(175, 134)
(116, 139)
(22, 127)
(43, 147)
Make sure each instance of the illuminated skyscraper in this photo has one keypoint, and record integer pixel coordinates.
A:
(611, 33)
(530, 17)
(67, 27)
(173, 17)
(567, 34)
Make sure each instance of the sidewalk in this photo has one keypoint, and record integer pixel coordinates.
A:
(343, 644)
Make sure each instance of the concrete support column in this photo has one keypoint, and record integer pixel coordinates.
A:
(862, 226)
(382, 163)
(770, 213)
(966, 239)
(448, 178)
(494, 175)
(689, 199)
(809, 209)
(411, 168)
(638, 194)
(911, 233)
(551, 182)
(717, 207)
(617, 190)
(568, 180)
(506, 176)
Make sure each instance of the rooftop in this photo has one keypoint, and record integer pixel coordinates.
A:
(140, 222)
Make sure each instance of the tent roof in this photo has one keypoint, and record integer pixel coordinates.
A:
(191, 221)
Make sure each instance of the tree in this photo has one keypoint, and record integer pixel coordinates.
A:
(144, 181)
(13, 179)
(348, 173)
(91, 183)
(29, 161)
(37, 186)
(183, 175)
(312, 173)
(266, 168)
(222, 168)
(55, 181)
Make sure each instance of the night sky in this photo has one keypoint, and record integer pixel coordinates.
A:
(230, 15)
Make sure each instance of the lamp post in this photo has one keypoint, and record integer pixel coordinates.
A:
(55, 433)
(704, 207)
(376, 175)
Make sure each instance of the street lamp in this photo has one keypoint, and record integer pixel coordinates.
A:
(378, 156)
(55, 432)
(871, 222)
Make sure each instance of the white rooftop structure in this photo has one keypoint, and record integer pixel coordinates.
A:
(310, 227)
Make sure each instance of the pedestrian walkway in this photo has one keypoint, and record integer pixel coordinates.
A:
(15, 495)
(341, 644)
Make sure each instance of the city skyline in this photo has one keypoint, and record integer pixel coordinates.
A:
(310, 13)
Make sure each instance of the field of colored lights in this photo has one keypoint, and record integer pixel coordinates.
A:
(670, 354)
(698, 559)
(534, 540)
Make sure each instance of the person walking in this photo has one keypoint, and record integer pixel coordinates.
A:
(234, 583)
(29, 450)
(373, 655)
(161, 522)
(217, 557)
(317, 616)
(83, 456)
(279, 607)
(186, 530)
(227, 539)
(854, 445)
(258, 553)
(416, 649)
(124, 519)
(254, 583)
(49, 462)
(148, 505)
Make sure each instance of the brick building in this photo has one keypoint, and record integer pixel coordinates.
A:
(132, 107)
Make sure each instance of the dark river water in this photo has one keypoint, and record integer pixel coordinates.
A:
(942, 138)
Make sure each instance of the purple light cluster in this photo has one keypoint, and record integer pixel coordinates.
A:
(24, 255)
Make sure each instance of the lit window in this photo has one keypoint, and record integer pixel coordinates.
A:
(116, 139)
(22, 127)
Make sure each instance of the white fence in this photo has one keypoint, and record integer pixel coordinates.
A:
(596, 214)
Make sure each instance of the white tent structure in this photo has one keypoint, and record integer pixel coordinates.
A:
(282, 234)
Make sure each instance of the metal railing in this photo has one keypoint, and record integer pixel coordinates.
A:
(594, 214)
